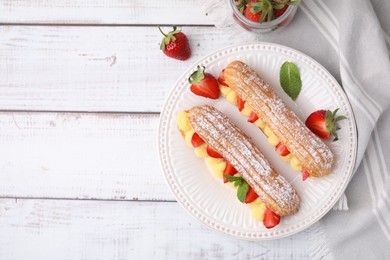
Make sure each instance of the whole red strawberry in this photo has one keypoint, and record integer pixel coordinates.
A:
(323, 123)
(252, 15)
(204, 84)
(259, 11)
(281, 11)
(175, 44)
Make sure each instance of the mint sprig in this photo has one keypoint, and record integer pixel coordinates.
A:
(242, 185)
(290, 79)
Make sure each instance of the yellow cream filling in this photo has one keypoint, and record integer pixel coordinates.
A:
(258, 209)
(200, 151)
(232, 98)
(224, 90)
(246, 111)
(183, 122)
(229, 94)
(272, 138)
(188, 136)
(260, 123)
(287, 158)
(217, 165)
(295, 164)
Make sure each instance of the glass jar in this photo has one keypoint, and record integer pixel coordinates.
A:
(249, 25)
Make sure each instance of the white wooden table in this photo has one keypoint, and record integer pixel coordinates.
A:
(81, 87)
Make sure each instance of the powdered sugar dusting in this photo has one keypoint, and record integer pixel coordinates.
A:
(228, 140)
(311, 151)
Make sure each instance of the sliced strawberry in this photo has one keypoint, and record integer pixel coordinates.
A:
(212, 153)
(305, 174)
(251, 195)
(229, 170)
(196, 140)
(271, 219)
(323, 123)
(241, 103)
(282, 149)
(221, 78)
(253, 117)
(204, 84)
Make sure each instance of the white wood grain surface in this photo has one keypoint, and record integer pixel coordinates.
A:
(102, 12)
(93, 68)
(63, 229)
(85, 156)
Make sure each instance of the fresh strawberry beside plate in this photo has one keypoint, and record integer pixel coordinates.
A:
(175, 44)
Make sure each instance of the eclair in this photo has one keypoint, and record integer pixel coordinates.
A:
(243, 87)
(216, 137)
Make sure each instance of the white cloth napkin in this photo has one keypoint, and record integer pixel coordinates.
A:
(351, 39)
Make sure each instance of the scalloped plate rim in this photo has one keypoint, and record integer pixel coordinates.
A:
(203, 219)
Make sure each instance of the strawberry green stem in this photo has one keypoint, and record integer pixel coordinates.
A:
(161, 31)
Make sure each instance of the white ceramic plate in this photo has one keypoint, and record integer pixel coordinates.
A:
(215, 204)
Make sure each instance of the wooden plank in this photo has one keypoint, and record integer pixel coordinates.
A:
(50, 229)
(102, 12)
(93, 68)
(85, 156)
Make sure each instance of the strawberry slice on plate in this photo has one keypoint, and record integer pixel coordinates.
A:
(204, 84)
(323, 123)
(229, 170)
(241, 103)
(271, 219)
(212, 153)
(305, 174)
(251, 195)
(196, 140)
(253, 117)
(221, 78)
(282, 149)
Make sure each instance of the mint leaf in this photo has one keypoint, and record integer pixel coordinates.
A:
(238, 183)
(242, 185)
(237, 180)
(290, 80)
(242, 191)
(232, 178)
